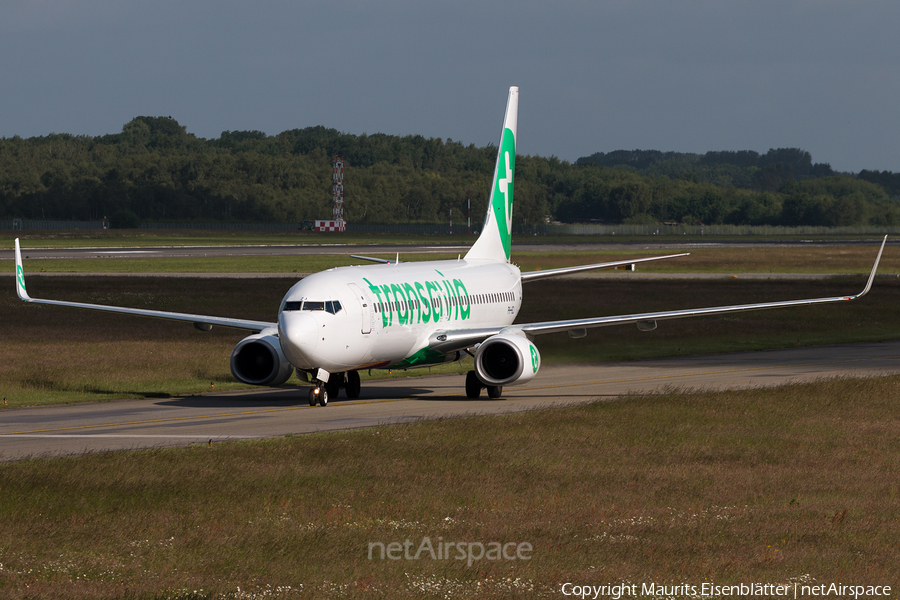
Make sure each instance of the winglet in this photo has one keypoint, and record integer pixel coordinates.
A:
(872, 274)
(20, 275)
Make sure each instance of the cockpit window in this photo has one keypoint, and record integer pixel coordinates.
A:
(331, 306)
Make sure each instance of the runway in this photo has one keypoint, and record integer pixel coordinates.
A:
(132, 424)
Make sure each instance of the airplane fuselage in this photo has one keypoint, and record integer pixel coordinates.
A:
(386, 313)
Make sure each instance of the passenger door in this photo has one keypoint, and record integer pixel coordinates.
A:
(366, 307)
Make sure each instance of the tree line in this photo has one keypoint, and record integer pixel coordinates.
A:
(154, 170)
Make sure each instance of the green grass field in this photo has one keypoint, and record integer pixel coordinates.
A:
(792, 484)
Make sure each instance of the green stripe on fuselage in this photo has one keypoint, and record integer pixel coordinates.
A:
(423, 357)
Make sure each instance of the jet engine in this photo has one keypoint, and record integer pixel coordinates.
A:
(258, 360)
(507, 359)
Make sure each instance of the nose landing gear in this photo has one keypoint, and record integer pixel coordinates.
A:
(348, 381)
(318, 395)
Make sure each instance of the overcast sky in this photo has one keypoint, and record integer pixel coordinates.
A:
(594, 76)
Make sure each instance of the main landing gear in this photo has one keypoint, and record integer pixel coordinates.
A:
(474, 385)
(349, 381)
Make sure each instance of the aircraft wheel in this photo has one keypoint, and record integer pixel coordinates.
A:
(353, 385)
(333, 386)
(323, 397)
(312, 396)
(473, 385)
(495, 391)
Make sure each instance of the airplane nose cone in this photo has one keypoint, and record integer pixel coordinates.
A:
(298, 332)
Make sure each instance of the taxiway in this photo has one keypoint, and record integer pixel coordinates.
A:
(211, 418)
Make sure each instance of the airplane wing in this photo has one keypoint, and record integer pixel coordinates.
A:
(199, 321)
(448, 341)
(534, 275)
(383, 261)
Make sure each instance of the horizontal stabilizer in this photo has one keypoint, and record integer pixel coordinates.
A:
(384, 261)
(534, 275)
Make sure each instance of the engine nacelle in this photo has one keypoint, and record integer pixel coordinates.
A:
(258, 360)
(507, 359)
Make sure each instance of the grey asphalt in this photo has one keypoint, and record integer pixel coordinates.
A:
(214, 418)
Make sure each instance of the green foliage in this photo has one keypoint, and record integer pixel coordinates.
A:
(154, 170)
(781, 187)
(125, 219)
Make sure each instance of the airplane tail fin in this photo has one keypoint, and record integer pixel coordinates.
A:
(496, 236)
(20, 275)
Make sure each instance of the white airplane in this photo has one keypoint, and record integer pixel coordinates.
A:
(398, 315)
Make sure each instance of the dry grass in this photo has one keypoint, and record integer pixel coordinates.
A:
(798, 482)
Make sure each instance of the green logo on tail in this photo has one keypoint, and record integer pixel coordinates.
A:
(502, 201)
